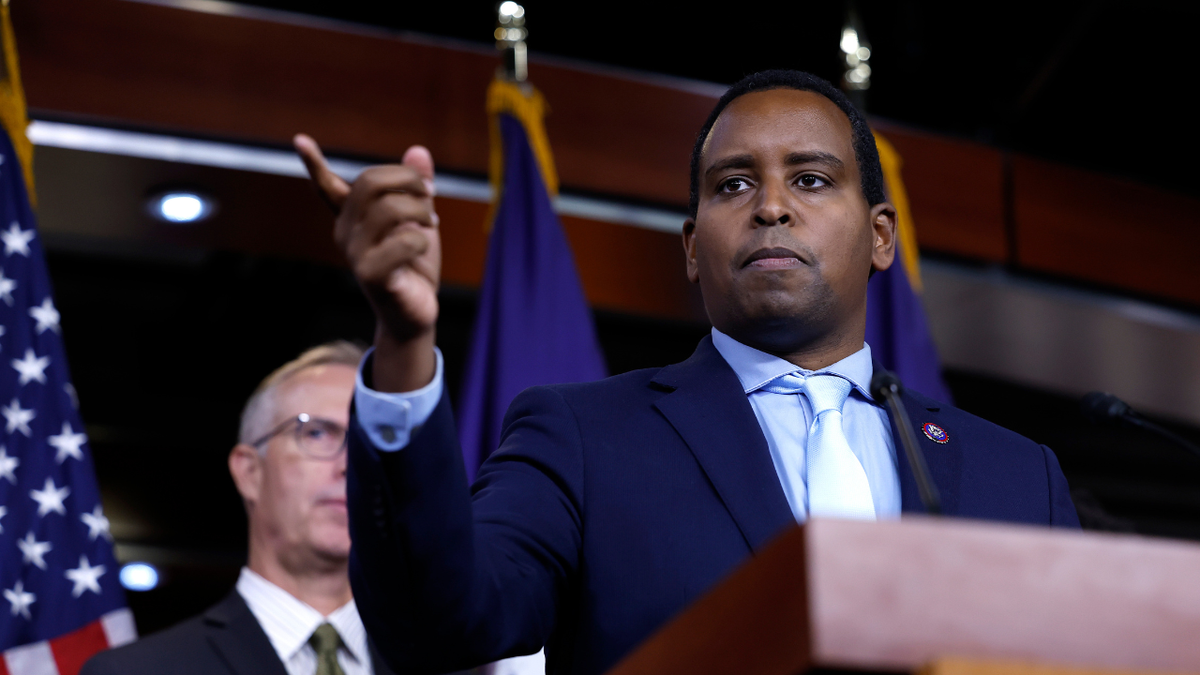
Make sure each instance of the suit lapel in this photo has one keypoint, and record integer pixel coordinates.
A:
(235, 635)
(944, 459)
(377, 663)
(711, 412)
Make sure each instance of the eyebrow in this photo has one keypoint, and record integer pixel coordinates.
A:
(747, 161)
(825, 158)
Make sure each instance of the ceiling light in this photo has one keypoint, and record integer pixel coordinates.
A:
(139, 576)
(180, 206)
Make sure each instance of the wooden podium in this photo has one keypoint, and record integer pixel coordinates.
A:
(898, 596)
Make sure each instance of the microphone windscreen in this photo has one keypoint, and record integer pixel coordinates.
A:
(884, 381)
(1103, 408)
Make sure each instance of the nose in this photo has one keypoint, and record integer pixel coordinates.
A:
(772, 207)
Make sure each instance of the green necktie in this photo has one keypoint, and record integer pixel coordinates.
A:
(325, 640)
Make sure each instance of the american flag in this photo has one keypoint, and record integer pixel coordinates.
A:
(62, 601)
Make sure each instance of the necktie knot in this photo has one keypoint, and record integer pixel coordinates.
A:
(824, 391)
(326, 641)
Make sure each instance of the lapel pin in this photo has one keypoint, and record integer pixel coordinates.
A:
(935, 433)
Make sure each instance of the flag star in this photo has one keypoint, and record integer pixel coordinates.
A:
(7, 286)
(34, 551)
(68, 444)
(16, 240)
(50, 498)
(19, 599)
(86, 577)
(45, 315)
(17, 418)
(8, 465)
(97, 524)
(3, 512)
(30, 368)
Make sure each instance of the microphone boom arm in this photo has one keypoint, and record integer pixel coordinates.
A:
(888, 387)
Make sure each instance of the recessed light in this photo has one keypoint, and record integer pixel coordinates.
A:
(180, 207)
(139, 576)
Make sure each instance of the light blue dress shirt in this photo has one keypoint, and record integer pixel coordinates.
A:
(786, 419)
(390, 419)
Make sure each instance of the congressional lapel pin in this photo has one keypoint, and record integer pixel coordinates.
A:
(935, 433)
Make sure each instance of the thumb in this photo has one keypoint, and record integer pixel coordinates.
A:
(419, 158)
(333, 189)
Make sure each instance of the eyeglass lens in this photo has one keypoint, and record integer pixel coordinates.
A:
(320, 438)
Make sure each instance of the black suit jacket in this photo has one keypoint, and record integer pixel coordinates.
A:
(224, 639)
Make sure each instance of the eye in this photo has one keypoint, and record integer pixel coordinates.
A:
(314, 431)
(809, 180)
(733, 184)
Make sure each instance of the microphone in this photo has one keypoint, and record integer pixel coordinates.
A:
(886, 386)
(1102, 408)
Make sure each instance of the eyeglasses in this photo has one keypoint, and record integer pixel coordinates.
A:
(316, 437)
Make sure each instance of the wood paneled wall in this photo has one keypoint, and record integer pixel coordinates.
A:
(368, 93)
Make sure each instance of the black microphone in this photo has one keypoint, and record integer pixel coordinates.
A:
(1105, 409)
(886, 386)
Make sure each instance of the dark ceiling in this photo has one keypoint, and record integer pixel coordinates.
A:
(1095, 84)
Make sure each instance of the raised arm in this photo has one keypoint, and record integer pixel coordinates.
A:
(442, 580)
(387, 227)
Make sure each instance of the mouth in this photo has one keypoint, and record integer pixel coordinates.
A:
(773, 258)
(335, 502)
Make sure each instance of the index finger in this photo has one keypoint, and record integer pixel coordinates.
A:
(332, 188)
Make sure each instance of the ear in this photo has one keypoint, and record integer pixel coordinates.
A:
(245, 465)
(883, 232)
(689, 250)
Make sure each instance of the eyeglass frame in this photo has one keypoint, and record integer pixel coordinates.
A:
(298, 421)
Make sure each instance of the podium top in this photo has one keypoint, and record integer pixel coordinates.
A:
(893, 596)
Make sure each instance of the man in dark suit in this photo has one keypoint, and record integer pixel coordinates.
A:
(292, 611)
(610, 506)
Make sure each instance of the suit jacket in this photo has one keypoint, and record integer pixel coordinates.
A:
(609, 507)
(224, 639)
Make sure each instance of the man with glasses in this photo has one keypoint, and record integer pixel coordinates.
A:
(292, 611)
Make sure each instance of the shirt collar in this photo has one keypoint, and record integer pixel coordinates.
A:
(290, 622)
(754, 368)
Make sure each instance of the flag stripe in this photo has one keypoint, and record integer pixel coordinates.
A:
(72, 650)
(119, 627)
(31, 659)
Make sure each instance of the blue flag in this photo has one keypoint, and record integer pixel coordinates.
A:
(60, 601)
(897, 328)
(533, 324)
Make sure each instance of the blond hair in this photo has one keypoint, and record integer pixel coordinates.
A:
(259, 409)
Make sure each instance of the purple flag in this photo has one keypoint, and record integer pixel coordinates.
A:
(534, 325)
(898, 332)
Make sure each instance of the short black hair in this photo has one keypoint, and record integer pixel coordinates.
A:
(865, 153)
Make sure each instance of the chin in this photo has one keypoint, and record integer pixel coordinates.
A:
(781, 324)
(337, 552)
(331, 541)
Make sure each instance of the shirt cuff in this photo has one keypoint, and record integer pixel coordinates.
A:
(391, 419)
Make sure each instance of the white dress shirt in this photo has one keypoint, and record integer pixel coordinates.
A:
(289, 623)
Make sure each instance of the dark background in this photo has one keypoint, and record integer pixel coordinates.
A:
(1095, 84)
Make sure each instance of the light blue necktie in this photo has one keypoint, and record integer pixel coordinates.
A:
(837, 483)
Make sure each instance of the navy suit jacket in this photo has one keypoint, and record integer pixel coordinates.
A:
(608, 508)
(225, 640)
